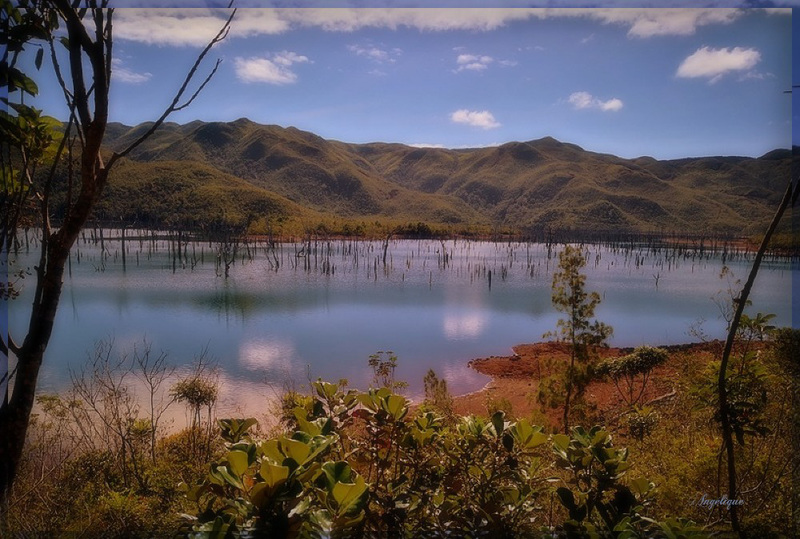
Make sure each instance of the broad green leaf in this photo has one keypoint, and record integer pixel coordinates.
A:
(337, 472)
(527, 436)
(599, 437)
(641, 486)
(396, 406)
(223, 472)
(296, 450)
(238, 462)
(346, 494)
(271, 450)
(311, 427)
(326, 390)
(273, 474)
(498, 421)
(561, 441)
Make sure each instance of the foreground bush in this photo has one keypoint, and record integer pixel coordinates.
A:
(362, 465)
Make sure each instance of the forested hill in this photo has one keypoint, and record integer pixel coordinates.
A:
(242, 170)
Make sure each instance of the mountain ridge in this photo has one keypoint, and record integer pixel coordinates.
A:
(537, 184)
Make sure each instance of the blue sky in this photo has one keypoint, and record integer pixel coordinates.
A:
(660, 82)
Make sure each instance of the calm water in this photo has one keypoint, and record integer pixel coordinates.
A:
(323, 315)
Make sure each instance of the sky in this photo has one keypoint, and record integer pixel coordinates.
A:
(667, 83)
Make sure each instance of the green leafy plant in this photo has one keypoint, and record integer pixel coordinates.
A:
(598, 503)
(383, 365)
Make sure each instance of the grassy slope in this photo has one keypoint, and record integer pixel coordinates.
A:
(190, 194)
(539, 183)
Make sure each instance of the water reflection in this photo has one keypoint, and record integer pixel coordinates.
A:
(273, 356)
(432, 311)
(464, 325)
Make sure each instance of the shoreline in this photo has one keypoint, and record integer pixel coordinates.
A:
(514, 379)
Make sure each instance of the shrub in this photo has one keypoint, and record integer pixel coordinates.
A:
(632, 370)
(360, 464)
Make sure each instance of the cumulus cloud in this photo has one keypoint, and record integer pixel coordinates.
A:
(483, 119)
(376, 54)
(121, 73)
(649, 22)
(714, 63)
(183, 27)
(195, 27)
(274, 70)
(585, 100)
(471, 62)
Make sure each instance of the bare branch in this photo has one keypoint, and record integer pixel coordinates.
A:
(174, 106)
(59, 76)
(200, 89)
(8, 376)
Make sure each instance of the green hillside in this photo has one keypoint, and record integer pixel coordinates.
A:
(248, 170)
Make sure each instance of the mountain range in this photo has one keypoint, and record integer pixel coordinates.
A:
(246, 172)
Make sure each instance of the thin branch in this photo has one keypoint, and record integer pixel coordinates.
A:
(174, 106)
(200, 89)
(12, 345)
(741, 301)
(9, 375)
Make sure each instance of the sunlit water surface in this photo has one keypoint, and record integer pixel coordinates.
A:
(323, 314)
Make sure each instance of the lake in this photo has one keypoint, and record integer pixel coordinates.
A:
(305, 311)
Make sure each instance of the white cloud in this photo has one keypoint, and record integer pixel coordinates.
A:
(174, 27)
(271, 71)
(649, 22)
(376, 54)
(287, 58)
(123, 74)
(195, 27)
(483, 119)
(471, 62)
(426, 145)
(425, 19)
(714, 63)
(470, 58)
(585, 100)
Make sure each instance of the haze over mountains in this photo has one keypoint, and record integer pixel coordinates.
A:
(251, 170)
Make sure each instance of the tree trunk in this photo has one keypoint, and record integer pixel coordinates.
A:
(724, 407)
(570, 373)
(14, 416)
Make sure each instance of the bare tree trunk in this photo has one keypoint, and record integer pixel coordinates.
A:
(89, 52)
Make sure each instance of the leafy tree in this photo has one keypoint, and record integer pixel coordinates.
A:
(571, 298)
(84, 47)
